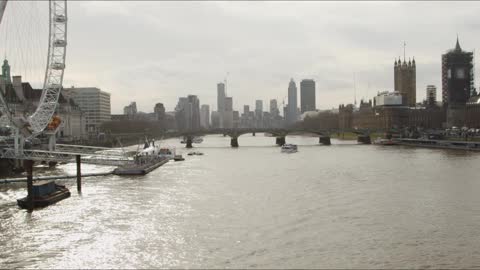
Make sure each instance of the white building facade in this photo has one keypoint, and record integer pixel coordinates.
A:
(388, 99)
(205, 116)
(94, 103)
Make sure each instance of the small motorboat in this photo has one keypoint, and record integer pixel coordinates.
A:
(289, 148)
(195, 154)
(45, 193)
(178, 158)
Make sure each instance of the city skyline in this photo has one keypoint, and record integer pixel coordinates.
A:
(260, 53)
(239, 135)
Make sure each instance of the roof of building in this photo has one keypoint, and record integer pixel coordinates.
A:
(458, 49)
(31, 94)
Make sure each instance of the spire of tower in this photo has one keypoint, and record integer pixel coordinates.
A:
(457, 46)
(404, 45)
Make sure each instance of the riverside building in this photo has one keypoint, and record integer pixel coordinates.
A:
(94, 103)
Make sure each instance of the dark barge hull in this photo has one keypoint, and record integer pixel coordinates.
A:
(61, 192)
(440, 144)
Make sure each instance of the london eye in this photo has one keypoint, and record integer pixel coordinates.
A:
(29, 126)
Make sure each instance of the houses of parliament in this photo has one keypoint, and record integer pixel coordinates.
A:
(460, 106)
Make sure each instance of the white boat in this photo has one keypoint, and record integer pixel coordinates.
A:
(289, 148)
(178, 158)
(149, 151)
(167, 152)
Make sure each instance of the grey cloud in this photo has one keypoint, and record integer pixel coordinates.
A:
(156, 51)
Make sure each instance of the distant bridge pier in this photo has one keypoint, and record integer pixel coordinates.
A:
(280, 141)
(234, 142)
(189, 142)
(364, 139)
(325, 140)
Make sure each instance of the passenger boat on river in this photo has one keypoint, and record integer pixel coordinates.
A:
(289, 148)
(144, 161)
(141, 166)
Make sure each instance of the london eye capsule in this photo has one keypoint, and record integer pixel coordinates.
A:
(60, 18)
(60, 43)
(58, 66)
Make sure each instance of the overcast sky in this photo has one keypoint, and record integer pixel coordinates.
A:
(152, 52)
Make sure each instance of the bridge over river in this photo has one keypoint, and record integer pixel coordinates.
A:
(363, 135)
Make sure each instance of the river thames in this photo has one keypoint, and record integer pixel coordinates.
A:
(338, 206)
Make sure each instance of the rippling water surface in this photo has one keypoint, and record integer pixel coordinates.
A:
(338, 206)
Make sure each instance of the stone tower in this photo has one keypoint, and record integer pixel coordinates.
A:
(457, 83)
(6, 72)
(457, 76)
(406, 81)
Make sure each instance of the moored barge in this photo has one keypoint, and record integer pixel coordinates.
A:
(45, 193)
(441, 144)
(140, 168)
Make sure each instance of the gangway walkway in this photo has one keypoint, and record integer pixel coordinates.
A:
(89, 155)
(89, 149)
